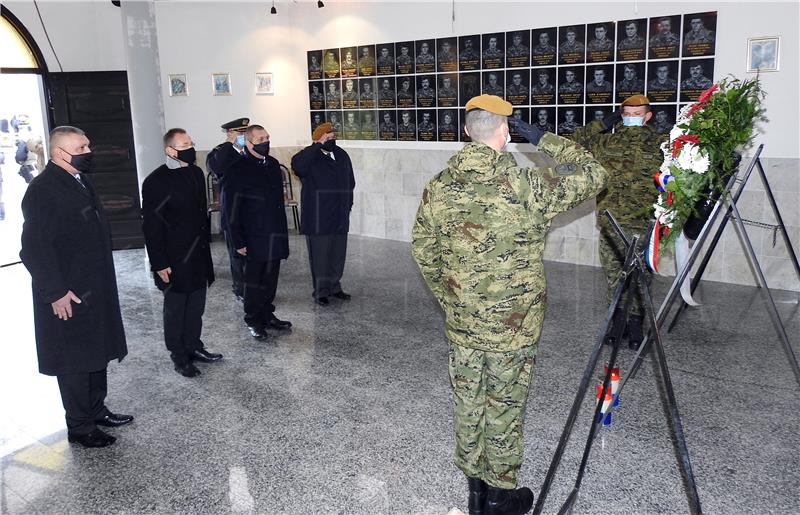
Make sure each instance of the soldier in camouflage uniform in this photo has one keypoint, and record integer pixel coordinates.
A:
(478, 239)
(632, 38)
(696, 79)
(699, 33)
(632, 155)
(665, 36)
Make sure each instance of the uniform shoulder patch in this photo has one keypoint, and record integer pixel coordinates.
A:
(567, 169)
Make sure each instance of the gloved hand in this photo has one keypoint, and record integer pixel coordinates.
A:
(532, 133)
(612, 119)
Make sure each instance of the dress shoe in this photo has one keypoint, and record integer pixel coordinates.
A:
(275, 323)
(204, 356)
(500, 501)
(322, 301)
(341, 295)
(477, 495)
(187, 369)
(114, 420)
(96, 438)
(257, 332)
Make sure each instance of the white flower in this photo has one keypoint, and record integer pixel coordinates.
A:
(666, 166)
(675, 132)
(683, 116)
(693, 158)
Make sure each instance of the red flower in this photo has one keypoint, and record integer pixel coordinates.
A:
(705, 95)
(681, 140)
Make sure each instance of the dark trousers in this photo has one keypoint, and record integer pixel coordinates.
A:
(326, 255)
(183, 323)
(260, 285)
(84, 398)
(237, 266)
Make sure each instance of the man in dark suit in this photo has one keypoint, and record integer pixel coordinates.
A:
(66, 247)
(175, 225)
(326, 199)
(259, 231)
(234, 135)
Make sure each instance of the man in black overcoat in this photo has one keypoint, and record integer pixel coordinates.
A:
(257, 222)
(66, 247)
(176, 232)
(327, 176)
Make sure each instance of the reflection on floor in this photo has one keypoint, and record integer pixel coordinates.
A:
(350, 413)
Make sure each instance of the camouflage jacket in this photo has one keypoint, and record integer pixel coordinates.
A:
(632, 155)
(479, 236)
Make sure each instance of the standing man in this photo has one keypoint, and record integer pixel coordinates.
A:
(478, 239)
(327, 199)
(176, 233)
(259, 231)
(66, 247)
(631, 154)
(234, 138)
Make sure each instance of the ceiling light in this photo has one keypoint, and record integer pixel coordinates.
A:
(273, 10)
(320, 4)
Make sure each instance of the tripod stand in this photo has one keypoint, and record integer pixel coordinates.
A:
(631, 278)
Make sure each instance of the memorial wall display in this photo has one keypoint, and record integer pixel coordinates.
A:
(559, 78)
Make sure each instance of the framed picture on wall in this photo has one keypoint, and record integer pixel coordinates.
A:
(763, 54)
(220, 84)
(264, 85)
(178, 86)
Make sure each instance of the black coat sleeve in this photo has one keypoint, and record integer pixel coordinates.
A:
(236, 198)
(303, 161)
(222, 158)
(153, 224)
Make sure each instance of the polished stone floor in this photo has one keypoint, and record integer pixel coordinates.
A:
(350, 412)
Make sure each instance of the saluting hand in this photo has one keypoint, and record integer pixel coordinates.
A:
(164, 274)
(325, 137)
(62, 308)
(242, 251)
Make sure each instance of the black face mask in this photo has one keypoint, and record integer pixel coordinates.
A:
(329, 145)
(188, 155)
(262, 148)
(81, 162)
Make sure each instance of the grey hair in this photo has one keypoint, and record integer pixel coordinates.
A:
(482, 125)
(59, 132)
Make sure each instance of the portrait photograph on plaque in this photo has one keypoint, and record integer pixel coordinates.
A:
(426, 125)
(335, 118)
(521, 114)
(664, 37)
(348, 65)
(406, 94)
(493, 56)
(407, 125)
(426, 91)
(569, 119)
(469, 53)
(404, 57)
(317, 118)
(600, 45)
(316, 97)
(448, 125)
(366, 61)
(330, 63)
(518, 87)
(367, 94)
(662, 85)
(369, 124)
(425, 58)
(632, 40)
(462, 134)
(543, 50)
(386, 92)
(492, 83)
(385, 61)
(597, 113)
(352, 126)
(333, 94)
(696, 77)
(570, 85)
(629, 80)
(663, 117)
(314, 63)
(387, 125)
(599, 84)
(518, 49)
(349, 94)
(469, 85)
(543, 88)
(699, 38)
(544, 118)
(447, 54)
(447, 93)
(571, 48)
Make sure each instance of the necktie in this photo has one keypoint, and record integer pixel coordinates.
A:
(80, 181)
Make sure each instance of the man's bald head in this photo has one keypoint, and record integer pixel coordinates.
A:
(62, 136)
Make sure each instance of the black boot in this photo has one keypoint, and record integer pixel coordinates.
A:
(477, 495)
(635, 333)
(500, 501)
(617, 319)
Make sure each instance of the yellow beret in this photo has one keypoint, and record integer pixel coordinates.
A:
(636, 100)
(491, 103)
(321, 130)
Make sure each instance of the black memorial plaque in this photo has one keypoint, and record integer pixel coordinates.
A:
(600, 45)
(425, 59)
(493, 56)
(447, 93)
(699, 38)
(571, 49)
(469, 53)
(664, 37)
(426, 125)
(518, 49)
(426, 91)
(447, 54)
(518, 87)
(570, 85)
(600, 84)
(314, 64)
(385, 60)
(662, 83)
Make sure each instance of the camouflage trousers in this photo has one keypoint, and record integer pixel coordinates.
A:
(490, 391)
(612, 257)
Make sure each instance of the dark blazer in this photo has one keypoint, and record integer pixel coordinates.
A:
(257, 216)
(327, 193)
(216, 166)
(176, 228)
(66, 245)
